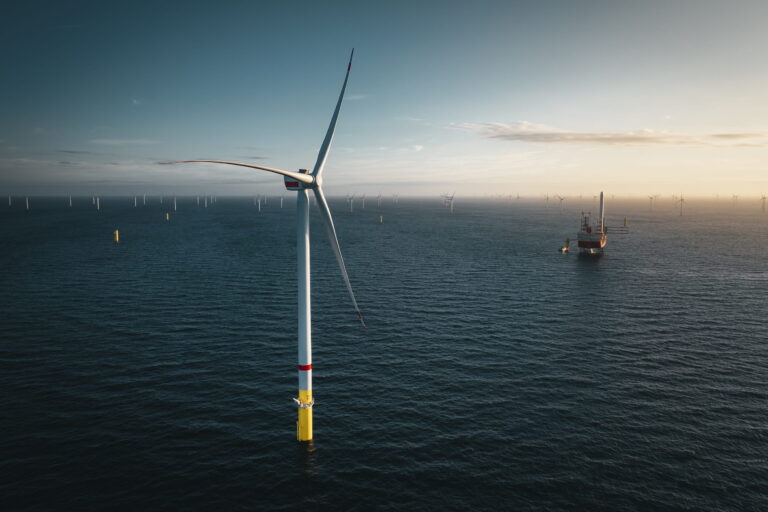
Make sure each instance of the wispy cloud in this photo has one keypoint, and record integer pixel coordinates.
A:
(356, 97)
(74, 152)
(414, 120)
(136, 101)
(122, 142)
(413, 148)
(524, 131)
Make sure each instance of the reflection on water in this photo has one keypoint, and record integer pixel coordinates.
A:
(307, 457)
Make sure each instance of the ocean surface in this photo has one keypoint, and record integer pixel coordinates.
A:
(495, 374)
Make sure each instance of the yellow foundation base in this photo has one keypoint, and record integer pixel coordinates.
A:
(304, 423)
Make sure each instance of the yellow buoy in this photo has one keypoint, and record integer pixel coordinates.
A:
(117, 236)
(167, 216)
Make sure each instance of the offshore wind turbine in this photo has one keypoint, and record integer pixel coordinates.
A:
(561, 202)
(351, 202)
(448, 201)
(302, 182)
(763, 200)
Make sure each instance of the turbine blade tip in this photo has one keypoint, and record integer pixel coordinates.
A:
(360, 316)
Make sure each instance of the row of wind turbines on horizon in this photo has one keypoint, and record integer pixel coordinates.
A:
(263, 200)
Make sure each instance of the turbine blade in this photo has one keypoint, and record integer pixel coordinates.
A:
(322, 204)
(323, 154)
(304, 178)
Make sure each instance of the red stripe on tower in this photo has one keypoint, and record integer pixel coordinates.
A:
(305, 367)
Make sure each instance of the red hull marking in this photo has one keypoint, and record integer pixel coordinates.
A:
(305, 367)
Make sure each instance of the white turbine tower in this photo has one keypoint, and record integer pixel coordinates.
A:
(302, 182)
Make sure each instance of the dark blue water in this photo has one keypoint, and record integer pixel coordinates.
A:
(496, 374)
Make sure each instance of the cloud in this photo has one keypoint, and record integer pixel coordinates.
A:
(356, 97)
(136, 101)
(251, 157)
(122, 142)
(524, 131)
(734, 135)
(74, 152)
(413, 148)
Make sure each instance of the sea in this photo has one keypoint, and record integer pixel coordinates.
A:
(495, 373)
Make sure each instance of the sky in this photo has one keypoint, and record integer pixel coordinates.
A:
(478, 98)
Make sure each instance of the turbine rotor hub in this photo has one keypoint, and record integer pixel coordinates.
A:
(293, 184)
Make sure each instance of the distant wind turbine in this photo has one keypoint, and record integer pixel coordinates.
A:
(681, 201)
(302, 182)
(561, 202)
(448, 201)
(763, 200)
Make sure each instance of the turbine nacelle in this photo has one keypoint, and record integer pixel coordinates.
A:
(291, 183)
